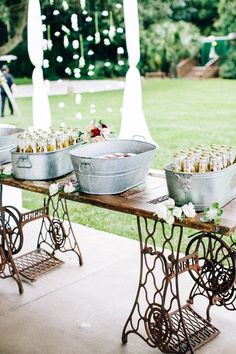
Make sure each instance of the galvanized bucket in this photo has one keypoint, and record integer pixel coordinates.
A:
(41, 166)
(97, 175)
(202, 189)
(8, 141)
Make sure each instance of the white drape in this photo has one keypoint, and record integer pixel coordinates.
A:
(133, 124)
(41, 109)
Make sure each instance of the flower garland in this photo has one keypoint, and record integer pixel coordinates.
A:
(168, 211)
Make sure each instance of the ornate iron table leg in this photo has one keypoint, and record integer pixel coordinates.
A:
(54, 233)
(11, 241)
(216, 276)
(157, 315)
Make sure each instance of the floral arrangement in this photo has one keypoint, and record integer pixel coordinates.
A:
(69, 187)
(212, 214)
(168, 211)
(96, 132)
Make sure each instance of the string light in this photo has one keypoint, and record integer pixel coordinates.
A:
(82, 4)
(89, 38)
(105, 13)
(119, 30)
(85, 12)
(65, 5)
(107, 41)
(46, 63)
(44, 28)
(118, 6)
(75, 56)
(105, 31)
(68, 71)
(66, 42)
(74, 22)
(107, 64)
(90, 52)
(121, 62)
(77, 74)
(91, 67)
(120, 50)
(65, 29)
(43, 17)
(75, 44)
(59, 59)
(89, 19)
(57, 34)
(56, 12)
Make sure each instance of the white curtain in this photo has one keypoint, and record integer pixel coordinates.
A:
(41, 109)
(133, 124)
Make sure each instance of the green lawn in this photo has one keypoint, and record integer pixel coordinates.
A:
(180, 114)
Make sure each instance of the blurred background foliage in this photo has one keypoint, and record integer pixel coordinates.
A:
(170, 30)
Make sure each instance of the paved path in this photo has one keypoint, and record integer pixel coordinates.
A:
(62, 87)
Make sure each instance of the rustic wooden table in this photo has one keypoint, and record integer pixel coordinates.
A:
(157, 316)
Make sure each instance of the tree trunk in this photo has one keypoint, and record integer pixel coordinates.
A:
(21, 10)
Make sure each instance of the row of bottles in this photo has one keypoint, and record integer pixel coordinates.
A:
(202, 159)
(39, 141)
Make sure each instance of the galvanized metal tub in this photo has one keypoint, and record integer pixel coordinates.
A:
(97, 175)
(41, 166)
(8, 141)
(202, 189)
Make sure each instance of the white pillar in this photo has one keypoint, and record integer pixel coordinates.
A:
(133, 124)
(41, 109)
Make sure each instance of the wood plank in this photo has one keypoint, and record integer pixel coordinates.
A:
(136, 201)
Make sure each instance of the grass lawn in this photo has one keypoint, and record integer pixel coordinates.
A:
(180, 114)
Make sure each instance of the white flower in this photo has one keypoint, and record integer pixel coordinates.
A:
(177, 212)
(161, 211)
(169, 218)
(69, 188)
(7, 171)
(189, 210)
(170, 202)
(212, 213)
(53, 189)
(105, 132)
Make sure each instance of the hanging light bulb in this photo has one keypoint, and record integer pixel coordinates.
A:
(82, 4)
(75, 56)
(65, 29)
(107, 42)
(65, 5)
(90, 73)
(46, 63)
(105, 13)
(119, 30)
(49, 44)
(90, 38)
(57, 34)
(43, 17)
(121, 62)
(68, 71)
(119, 6)
(59, 59)
(74, 22)
(107, 64)
(44, 28)
(120, 50)
(75, 44)
(89, 19)
(90, 52)
(66, 41)
(56, 12)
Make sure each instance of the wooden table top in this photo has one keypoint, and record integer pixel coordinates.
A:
(140, 201)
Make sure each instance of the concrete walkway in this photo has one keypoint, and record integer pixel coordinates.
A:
(82, 310)
(63, 87)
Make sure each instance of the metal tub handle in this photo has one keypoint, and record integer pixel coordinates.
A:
(184, 180)
(86, 167)
(23, 162)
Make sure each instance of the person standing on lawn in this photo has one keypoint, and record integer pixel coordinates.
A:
(10, 82)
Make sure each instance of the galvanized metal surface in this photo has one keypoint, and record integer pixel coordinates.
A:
(41, 166)
(202, 189)
(98, 175)
(8, 141)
